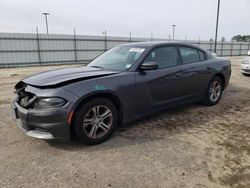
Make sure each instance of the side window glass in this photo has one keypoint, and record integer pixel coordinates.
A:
(202, 56)
(164, 56)
(189, 55)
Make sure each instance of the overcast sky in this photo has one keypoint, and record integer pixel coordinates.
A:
(194, 18)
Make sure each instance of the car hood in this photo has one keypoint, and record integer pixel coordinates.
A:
(65, 76)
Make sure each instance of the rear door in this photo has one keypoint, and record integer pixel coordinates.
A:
(195, 74)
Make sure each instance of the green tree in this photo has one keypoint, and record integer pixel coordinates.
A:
(241, 38)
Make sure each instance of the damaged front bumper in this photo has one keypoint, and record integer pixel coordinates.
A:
(42, 124)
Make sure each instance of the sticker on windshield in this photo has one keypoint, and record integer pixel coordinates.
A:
(128, 66)
(140, 50)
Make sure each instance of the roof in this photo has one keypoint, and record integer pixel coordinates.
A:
(156, 43)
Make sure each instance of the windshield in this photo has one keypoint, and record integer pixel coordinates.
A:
(118, 58)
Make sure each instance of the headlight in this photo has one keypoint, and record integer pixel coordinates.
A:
(50, 102)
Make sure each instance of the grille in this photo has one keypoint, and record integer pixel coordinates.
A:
(246, 70)
(24, 98)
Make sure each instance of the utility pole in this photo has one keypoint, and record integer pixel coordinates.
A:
(173, 30)
(105, 33)
(217, 23)
(75, 46)
(46, 21)
(38, 46)
(105, 40)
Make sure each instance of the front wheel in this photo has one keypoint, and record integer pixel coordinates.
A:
(214, 92)
(95, 121)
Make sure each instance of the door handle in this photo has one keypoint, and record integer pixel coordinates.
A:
(209, 68)
(178, 75)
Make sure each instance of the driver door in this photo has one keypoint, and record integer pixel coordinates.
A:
(157, 88)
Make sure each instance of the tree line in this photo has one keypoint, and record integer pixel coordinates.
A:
(241, 38)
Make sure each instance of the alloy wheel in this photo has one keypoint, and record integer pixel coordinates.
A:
(97, 121)
(215, 91)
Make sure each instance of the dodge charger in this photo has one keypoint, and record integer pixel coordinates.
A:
(127, 82)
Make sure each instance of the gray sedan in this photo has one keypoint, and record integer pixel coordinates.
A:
(125, 83)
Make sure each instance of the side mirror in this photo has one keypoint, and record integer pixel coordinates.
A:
(149, 66)
(214, 54)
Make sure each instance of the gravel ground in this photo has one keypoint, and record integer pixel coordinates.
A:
(190, 146)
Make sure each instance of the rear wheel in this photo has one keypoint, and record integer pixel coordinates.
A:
(95, 121)
(214, 92)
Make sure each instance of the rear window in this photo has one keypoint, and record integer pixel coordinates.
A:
(189, 55)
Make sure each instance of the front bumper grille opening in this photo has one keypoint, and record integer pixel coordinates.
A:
(38, 129)
(246, 70)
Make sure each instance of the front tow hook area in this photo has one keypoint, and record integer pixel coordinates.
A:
(34, 133)
(40, 134)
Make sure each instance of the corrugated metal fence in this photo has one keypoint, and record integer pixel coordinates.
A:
(18, 49)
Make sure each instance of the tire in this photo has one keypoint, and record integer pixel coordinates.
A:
(212, 97)
(95, 121)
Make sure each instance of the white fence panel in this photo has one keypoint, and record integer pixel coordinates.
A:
(18, 49)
